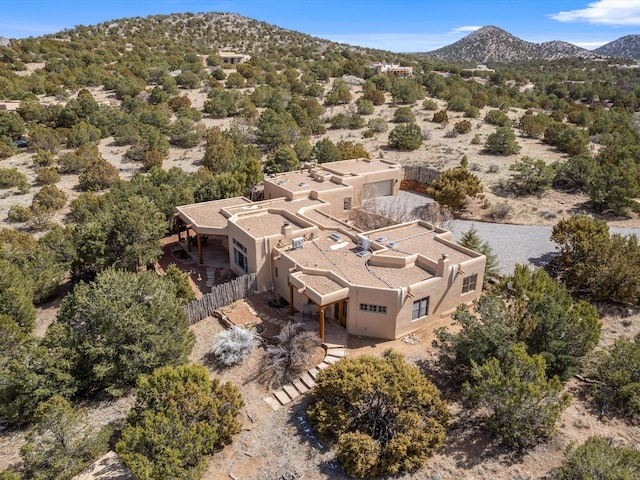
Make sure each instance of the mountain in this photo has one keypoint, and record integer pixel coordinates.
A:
(624, 47)
(492, 44)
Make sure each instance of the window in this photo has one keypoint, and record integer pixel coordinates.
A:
(365, 307)
(469, 283)
(420, 308)
(346, 203)
(276, 272)
(240, 255)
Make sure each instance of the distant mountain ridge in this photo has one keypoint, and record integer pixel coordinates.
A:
(492, 44)
(624, 47)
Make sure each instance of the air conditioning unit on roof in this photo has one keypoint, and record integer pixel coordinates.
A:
(363, 242)
(297, 243)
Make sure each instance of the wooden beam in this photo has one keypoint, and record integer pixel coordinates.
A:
(188, 240)
(322, 324)
(291, 307)
(199, 239)
(179, 225)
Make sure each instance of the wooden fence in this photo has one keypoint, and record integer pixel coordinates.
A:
(220, 296)
(420, 173)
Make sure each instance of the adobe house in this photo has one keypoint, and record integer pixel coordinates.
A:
(385, 283)
(392, 69)
(232, 58)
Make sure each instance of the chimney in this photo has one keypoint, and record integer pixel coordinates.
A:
(286, 230)
(443, 265)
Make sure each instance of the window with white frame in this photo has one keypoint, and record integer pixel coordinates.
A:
(346, 203)
(420, 308)
(366, 307)
(469, 283)
(240, 255)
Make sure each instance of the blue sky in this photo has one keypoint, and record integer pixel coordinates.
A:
(397, 25)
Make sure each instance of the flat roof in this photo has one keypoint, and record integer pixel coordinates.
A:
(264, 223)
(207, 214)
(415, 238)
(359, 166)
(332, 250)
(304, 181)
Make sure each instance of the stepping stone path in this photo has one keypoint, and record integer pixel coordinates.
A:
(306, 381)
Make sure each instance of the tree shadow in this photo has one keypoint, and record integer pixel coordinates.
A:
(544, 259)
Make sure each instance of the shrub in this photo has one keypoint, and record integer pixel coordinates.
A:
(19, 213)
(600, 266)
(339, 121)
(441, 117)
(453, 186)
(498, 118)
(180, 418)
(98, 175)
(289, 356)
(502, 142)
(524, 406)
(349, 150)
(406, 137)
(476, 140)
(501, 210)
(531, 177)
(404, 115)
(378, 125)
(47, 175)
(180, 280)
(617, 369)
(355, 122)
(50, 198)
(597, 459)
(384, 414)
(428, 104)
(11, 177)
(365, 107)
(234, 346)
(463, 126)
(43, 158)
(471, 112)
(576, 174)
(61, 444)
(152, 158)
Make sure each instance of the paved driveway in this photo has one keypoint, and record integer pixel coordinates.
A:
(519, 243)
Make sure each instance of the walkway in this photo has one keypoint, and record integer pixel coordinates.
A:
(335, 341)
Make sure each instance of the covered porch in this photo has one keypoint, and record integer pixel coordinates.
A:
(327, 295)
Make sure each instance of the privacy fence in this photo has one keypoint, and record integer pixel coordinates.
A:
(420, 173)
(220, 296)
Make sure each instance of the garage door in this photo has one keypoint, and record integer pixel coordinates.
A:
(376, 189)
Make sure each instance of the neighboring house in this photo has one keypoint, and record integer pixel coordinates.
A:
(5, 42)
(232, 58)
(392, 68)
(385, 283)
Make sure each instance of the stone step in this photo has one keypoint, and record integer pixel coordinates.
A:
(307, 379)
(291, 391)
(313, 373)
(322, 365)
(282, 397)
(301, 387)
(336, 352)
(330, 360)
(273, 403)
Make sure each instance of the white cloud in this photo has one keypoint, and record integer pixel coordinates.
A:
(466, 28)
(589, 45)
(395, 42)
(604, 12)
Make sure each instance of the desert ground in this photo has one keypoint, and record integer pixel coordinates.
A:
(280, 444)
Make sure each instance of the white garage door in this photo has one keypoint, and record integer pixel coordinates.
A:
(376, 189)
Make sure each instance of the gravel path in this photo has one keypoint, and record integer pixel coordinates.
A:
(519, 243)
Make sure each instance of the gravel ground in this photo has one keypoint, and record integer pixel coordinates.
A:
(513, 244)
